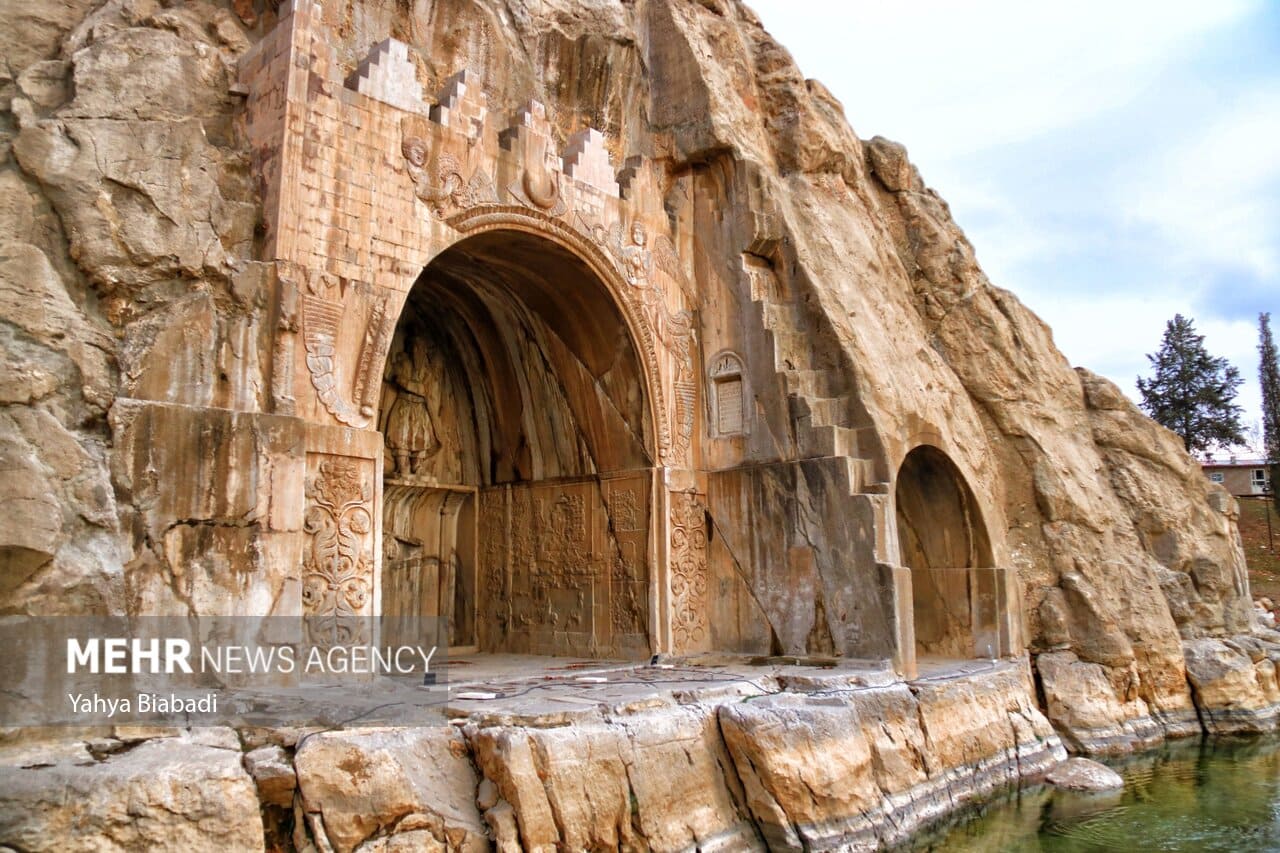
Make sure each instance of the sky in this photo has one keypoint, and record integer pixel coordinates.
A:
(1113, 163)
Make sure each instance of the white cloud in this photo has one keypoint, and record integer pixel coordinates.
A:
(1213, 194)
(1111, 334)
(950, 78)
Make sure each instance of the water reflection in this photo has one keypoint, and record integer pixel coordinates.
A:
(1211, 795)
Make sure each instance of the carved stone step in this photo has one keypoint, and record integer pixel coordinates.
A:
(860, 474)
(792, 350)
(827, 441)
(810, 382)
(820, 410)
(783, 316)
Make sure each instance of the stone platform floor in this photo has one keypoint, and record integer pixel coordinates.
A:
(509, 689)
(527, 689)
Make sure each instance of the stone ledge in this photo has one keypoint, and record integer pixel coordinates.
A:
(704, 767)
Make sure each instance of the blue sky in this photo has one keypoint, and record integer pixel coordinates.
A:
(1113, 163)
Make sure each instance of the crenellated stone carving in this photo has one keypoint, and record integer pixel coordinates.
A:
(387, 75)
(462, 105)
(586, 159)
(338, 562)
(627, 177)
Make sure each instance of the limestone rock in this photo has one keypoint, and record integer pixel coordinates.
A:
(818, 774)
(1083, 774)
(1265, 611)
(653, 779)
(184, 334)
(272, 772)
(167, 794)
(889, 163)
(410, 841)
(1234, 682)
(358, 784)
(1096, 711)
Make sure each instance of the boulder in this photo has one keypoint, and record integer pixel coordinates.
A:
(164, 794)
(272, 772)
(1234, 682)
(1084, 774)
(361, 783)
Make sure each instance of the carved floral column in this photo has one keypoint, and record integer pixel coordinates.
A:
(688, 574)
(338, 562)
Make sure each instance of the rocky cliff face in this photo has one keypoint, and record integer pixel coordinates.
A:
(130, 220)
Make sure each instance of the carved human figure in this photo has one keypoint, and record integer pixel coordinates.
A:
(410, 433)
(635, 256)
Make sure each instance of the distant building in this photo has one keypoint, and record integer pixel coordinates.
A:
(1240, 477)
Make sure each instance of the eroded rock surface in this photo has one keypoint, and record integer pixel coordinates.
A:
(865, 769)
(161, 794)
(1082, 774)
(356, 785)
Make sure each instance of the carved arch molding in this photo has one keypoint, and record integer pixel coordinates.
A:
(651, 325)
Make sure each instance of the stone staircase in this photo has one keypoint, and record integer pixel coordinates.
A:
(819, 398)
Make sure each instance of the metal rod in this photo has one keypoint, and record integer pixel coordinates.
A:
(1271, 541)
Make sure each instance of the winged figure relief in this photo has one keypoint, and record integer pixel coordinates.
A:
(449, 191)
(648, 271)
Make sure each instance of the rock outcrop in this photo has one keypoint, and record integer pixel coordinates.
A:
(166, 793)
(1083, 774)
(742, 765)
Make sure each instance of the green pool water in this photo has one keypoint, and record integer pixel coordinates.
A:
(1209, 795)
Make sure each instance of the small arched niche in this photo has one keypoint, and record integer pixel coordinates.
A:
(944, 542)
(730, 413)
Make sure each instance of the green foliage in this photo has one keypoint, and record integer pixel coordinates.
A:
(1192, 392)
(1269, 379)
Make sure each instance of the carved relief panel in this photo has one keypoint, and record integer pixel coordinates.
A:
(626, 546)
(427, 414)
(655, 283)
(688, 573)
(368, 190)
(428, 566)
(494, 610)
(347, 328)
(565, 567)
(338, 557)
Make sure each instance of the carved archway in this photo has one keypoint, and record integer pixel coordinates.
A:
(631, 297)
(522, 430)
(944, 542)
